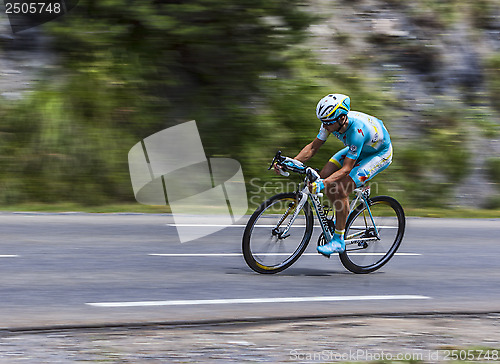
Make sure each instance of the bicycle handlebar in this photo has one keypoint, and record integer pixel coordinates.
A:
(311, 173)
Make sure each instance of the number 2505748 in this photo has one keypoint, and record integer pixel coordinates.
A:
(476, 355)
(33, 8)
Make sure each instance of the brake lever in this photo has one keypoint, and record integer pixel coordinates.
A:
(276, 156)
(311, 174)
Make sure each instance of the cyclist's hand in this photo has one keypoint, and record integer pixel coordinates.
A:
(317, 186)
(294, 165)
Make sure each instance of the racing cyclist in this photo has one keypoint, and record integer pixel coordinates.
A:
(368, 151)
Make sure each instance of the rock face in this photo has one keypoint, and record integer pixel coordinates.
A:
(23, 56)
(430, 60)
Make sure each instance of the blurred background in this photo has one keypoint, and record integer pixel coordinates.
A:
(77, 93)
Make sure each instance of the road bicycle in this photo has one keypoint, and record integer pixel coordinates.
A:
(279, 231)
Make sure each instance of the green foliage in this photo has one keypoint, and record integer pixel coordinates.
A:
(62, 150)
(342, 38)
(447, 133)
(483, 12)
(493, 77)
(129, 70)
(493, 169)
(412, 178)
(493, 203)
(484, 119)
(210, 50)
(450, 153)
(198, 59)
(425, 170)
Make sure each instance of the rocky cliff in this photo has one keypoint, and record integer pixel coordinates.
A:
(430, 60)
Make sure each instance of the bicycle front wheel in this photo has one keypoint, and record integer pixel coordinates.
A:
(365, 252)
(271, 243)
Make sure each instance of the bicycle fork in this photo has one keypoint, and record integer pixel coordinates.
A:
(302, 200)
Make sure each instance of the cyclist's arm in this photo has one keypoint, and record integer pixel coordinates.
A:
(309, 150)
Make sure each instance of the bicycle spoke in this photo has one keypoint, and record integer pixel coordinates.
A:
(270, 243)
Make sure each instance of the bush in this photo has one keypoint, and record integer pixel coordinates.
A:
(493, 169)
(493, 77)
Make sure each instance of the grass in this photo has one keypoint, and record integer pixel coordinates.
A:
(138, 208)
(453, 213)
(72, 207)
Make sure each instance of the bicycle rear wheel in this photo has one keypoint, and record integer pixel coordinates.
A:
(364, 252)
(266, 246)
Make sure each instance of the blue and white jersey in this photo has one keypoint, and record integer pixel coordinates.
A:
(365, 135)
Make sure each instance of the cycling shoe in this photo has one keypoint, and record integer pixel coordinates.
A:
(334, 246)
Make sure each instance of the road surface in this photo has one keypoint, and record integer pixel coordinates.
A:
(92, 269)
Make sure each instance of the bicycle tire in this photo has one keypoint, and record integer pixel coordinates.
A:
(253, 257)
(348, 256)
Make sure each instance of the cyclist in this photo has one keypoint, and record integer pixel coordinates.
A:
(368, 151)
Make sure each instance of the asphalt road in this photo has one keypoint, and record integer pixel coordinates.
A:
(92, 269)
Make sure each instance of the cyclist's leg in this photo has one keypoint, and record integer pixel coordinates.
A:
(338, 194)
(334, 164)
(328, 169)
(368, 167)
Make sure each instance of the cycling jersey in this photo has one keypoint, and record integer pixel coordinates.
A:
(367, 141)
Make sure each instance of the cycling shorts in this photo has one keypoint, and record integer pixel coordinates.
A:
(367, 166)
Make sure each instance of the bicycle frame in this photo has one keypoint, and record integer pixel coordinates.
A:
(361, 194)
(304, 194)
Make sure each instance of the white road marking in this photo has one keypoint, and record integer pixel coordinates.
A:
(257, 300)
(270, 254)
(267, 226)
(198, 255)
(9, 256)
(224, 225)
(381, 254)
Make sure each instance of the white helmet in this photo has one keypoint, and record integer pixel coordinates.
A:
(332, 106)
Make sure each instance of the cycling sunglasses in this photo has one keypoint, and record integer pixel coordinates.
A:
(330, 122)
